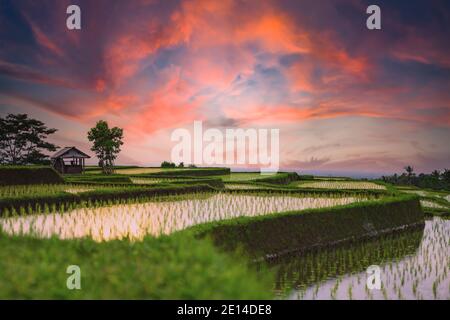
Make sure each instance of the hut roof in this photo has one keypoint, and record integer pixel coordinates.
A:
(70, 152)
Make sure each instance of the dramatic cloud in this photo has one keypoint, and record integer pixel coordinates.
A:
(151, 66)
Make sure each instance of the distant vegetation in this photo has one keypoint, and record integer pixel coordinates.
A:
(436, 180)
(167, 164)
(23, 140)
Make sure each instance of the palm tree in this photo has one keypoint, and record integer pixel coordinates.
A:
(436, 174)
(446, 175)
(409, 172)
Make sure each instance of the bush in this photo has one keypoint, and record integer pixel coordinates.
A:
(22, 175)
(175, 267)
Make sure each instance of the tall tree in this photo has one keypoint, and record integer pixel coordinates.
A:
(107, 142)
(436, 174)
(409, 173)
(23, 140)
(446, 175)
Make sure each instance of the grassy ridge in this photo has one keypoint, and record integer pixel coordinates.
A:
(126, 180)
(176, 267)
(275, 233)
(280, 178)
(97, 179)
(23, 175)
(215, 183)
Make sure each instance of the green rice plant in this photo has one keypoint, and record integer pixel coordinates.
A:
(235, 186)
(365, 185)
(240, 176)
(414, 265)
(187, 172)
(108, 220)
(58, 195)
(267, 235)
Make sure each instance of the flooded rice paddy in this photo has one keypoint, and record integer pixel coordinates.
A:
(342, 185)
(413, 264)
(233, 186)
(134, 221)
(431, 204)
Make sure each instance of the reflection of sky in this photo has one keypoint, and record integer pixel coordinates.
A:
(345, 98)
(398, 277)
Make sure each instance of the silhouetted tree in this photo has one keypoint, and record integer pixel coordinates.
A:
(435, 180)
(167, 164)
(410, 173)
(436, 174)
(22, 140)
(446, 175)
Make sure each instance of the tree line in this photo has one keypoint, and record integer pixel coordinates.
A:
(435, 180)
(168, 164)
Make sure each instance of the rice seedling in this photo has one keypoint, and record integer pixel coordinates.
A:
(414, 265)
(233, 186)
(49, 189)
(244, 176)
(135, 220)
(432, 204)
(418, 192)
(341, 185)
(150, 180)
(350, 291)
(76, 190)
(132, 171)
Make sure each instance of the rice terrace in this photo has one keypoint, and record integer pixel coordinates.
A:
(297, 236)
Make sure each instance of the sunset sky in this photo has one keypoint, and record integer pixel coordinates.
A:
(346, 99)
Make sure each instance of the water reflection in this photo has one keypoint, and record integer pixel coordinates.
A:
(414, 265)
(134, 221)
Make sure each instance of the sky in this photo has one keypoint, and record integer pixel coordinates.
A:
(345, 99)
